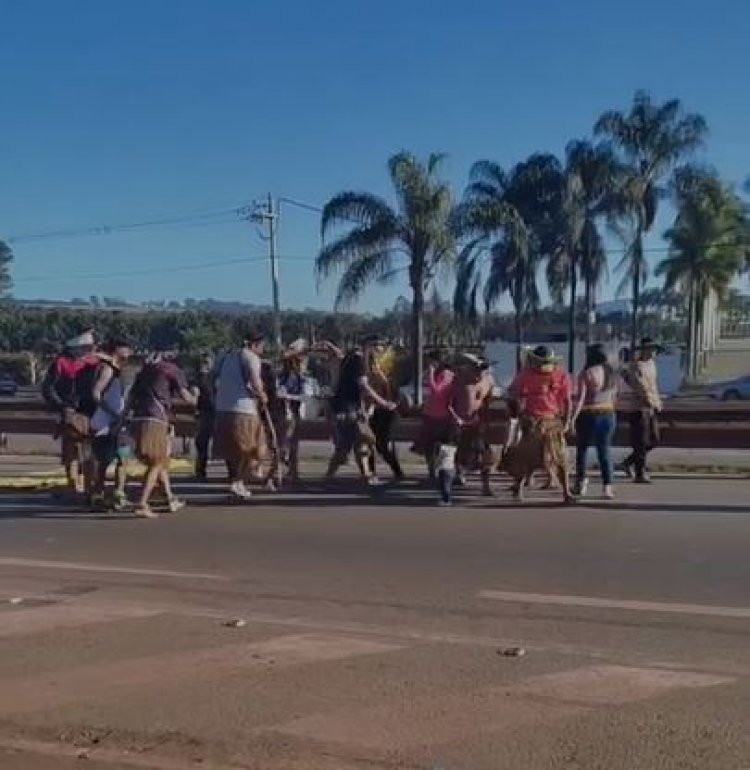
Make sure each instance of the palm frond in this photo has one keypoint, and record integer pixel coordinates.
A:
(435, 161)
(354, 207)
(359, 274)
(379, 236)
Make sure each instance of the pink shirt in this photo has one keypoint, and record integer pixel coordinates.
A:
(441, 389)
(543, 395)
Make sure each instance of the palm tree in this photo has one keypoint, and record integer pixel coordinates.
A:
(508, 219)
(707, 245)
(587, 187)
(418, 228)
(651, 138)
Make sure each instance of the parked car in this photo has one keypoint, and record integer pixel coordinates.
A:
(734, 390)
(8, 386)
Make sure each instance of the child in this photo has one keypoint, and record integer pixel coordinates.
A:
(446, 472)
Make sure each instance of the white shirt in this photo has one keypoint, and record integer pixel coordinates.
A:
(234, 373)
(446, 459)
(113, 405)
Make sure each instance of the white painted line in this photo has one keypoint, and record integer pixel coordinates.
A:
(616, 604)
(85, 567)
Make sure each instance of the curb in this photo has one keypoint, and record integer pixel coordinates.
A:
(55, 479)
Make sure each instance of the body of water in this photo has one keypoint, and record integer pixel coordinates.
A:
(503, 356)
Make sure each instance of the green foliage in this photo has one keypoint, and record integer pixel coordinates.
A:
(709, 238)
(6, 257)
(651, 139)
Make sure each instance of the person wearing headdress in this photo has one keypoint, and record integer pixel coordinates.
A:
(642, 401)
(151, 400)
(67, 390)
(471, 394)
(293, 389)
(543, 392)
(107, 423)
(381, 362)
(350, 404)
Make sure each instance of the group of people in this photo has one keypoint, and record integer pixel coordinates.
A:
(249, 411)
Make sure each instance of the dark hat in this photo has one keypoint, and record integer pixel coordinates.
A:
(648, 343)
(541, 355)
(254, 335)
(374, 339)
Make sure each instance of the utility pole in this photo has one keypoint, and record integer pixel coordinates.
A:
(267, 215)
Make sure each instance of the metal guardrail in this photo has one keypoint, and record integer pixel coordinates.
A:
(686, 424)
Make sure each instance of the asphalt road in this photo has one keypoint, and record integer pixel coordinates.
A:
(378, 632)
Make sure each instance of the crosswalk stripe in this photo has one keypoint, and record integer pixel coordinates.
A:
(108, 680)
(106, 568)
(634, 605)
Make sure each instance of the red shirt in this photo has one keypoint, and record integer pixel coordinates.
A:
(441, 393)
(543, 395)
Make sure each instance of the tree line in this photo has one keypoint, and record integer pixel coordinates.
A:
(547, 216)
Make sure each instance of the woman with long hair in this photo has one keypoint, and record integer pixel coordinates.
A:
(380, 361)
(595, 418)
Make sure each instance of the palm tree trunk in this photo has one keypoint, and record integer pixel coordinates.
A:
(417, 340)
(691, 346)
(519, 339)
(588, 297)
(634, 326)
(572, 318)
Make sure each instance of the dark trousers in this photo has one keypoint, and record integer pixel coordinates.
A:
(595, 429)
(644, 436)
(381, 424)
(203, 434)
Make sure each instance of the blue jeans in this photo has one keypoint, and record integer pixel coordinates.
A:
(595, 429)
(445, 485)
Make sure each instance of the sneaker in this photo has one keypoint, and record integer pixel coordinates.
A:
(374, 481)
(581, 488)
(460, 480)
(120, 502)
(608, 493)
(239, 492)
(644, 478)
(445, 503)
(175, 505)
(627, 470)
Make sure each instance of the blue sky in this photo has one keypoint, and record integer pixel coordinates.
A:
(119, 112)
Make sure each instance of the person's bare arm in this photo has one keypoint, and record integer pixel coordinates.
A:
(373, 396)
(190, 398)
(255, 384)
(335, 351)
(103, 378)
(581, 397)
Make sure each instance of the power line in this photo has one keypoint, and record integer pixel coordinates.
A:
(153, 270)
(301, 205)
(200, 217)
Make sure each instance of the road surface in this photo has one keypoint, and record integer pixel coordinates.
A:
(380, 632)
